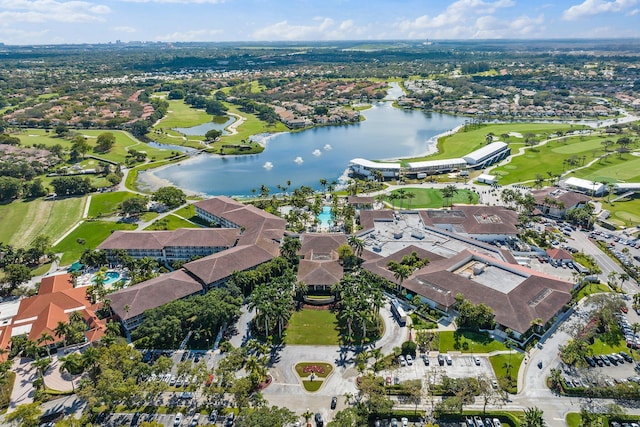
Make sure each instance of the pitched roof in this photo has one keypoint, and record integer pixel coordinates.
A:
(536, 295)
(569, 198)
(557, 253)
(368, 217)
(474, 219)
(379, 264)
(153, 293)
(54, 303)
(56, 283)
(256, 222)
(206, 237)
(319, 272)
(354, 200)
(321, 245)
(221, 265)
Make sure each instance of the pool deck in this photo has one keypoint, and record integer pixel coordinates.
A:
(86, 279)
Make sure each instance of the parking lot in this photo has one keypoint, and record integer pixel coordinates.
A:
(462, 366)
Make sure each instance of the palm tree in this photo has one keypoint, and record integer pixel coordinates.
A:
(44, 338)
(41, 366)
(410, 195)
(448, 192)
(63, 330)
(402, 194)
(533, 418)
(70, 365)
(323, 184)
(356, 244)
(400, 272)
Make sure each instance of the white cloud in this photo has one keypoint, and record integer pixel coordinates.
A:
(456, 13)
(190, 36)
(124, 29)
(176, 1)
(325, 29)
(596, 7)
(14, 11)
(634, 12)
(472, 19)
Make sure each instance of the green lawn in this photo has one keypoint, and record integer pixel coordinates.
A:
(312, 327)
(592, 288)
(432, 198)
(118, 153)
(107, 203)
(468, 342)
(612, 169)
(29, 219)
(612, 342)
(624, 212)
(251, 126)
(573, 419)
(171, 222)
(93, 233)
(499, 363)
(464, 142)
(182, 115)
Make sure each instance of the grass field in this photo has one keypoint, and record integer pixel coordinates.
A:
(464, 142)
(251, 126)
(612, 169)
(29, 219)
(499, 363)
(182, 115)
(624, 212)
(171, 222)
(118, 153)
(468, 342)
(313, 327)
(432, 198)
(93, 233)
(107, 203)
(592, 288)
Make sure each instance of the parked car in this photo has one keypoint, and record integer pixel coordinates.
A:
(319, 420)
(230, 419)
(626, 356)
(496, 423)
(213, 417)
(590, 361)
(477, 360)
(409, 359)
(440, 359)
(402, 360)
(178, 419)
(425, 359)
(334, 402)
(194, 421)
(448, 359)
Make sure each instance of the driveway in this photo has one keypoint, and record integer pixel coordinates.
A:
(286, 389)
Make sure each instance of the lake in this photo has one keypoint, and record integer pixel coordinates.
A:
(306, 157)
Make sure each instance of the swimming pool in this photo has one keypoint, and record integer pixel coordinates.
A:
(109, 277)
(325, 217)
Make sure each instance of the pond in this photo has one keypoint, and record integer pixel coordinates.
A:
(306, 157)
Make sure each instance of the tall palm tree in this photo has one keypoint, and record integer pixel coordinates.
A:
(323, 184)
(356, 244)
(62, 330)
(41, 366)
(448, 192)
(410, 195)
(71, 365)
(46, 337)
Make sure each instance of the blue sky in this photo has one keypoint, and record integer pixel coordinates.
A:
(101, 21)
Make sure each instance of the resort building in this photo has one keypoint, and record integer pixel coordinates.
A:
(364, 167)
(555, 202)
(169, 246)
(585, 186)
(487, 155)
(517, 295)
(129, 304)
(485, 223)
(319, 267)
(433, 167)
(249, 237)
(56, 300)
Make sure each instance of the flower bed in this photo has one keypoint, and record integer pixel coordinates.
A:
(319, 370)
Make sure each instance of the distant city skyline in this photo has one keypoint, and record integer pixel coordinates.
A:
(104, 21)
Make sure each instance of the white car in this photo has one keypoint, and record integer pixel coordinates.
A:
(409, 360)
(405, 421)
(496, 422)
(477, 360)
(178, 419)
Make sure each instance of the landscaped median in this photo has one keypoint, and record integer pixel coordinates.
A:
(313, 374)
